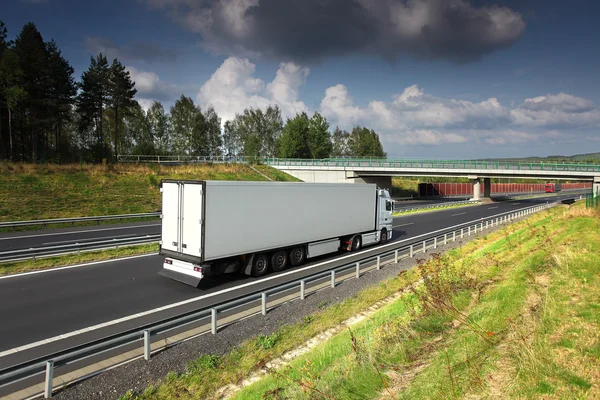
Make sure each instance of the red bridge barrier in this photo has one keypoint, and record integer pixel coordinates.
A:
(457, 189)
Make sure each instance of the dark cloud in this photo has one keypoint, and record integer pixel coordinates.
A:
(133, 51)
(312, 30)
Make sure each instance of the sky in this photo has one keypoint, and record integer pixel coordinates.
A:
(434, 78)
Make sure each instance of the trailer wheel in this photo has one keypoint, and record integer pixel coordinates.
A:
(383, 238)
(297, 256)
(279, 261)
(356, 243)
(260, 265)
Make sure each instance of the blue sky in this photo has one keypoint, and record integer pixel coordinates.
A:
(435, 78)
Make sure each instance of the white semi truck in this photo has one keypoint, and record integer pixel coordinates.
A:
(211, 228)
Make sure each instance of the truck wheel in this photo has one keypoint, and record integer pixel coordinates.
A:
(297, 256)
(260, 265)
(279, 261)
(383, 238)
(356, 243)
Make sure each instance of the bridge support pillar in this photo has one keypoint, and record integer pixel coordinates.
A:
(476, 187)
(487, 187)
(382, 182)
(596, 186)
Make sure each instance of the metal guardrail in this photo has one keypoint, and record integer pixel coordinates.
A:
(40, 252)
(47, 364)
(72, 221)
(374, 162)
(435, 206)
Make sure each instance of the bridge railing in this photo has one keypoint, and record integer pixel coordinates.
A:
(373, 162)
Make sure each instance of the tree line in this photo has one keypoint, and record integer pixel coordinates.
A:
(48, 116)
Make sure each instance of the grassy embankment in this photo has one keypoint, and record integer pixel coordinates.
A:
(29, 191)
(60, 191)
(513, 314)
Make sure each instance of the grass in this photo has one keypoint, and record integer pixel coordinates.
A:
(44, 191)
(513, 314)
(423, 210)
(16, 267)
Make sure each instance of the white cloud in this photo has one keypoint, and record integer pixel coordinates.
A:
(150, 88)
(233, 88)
(557, 110)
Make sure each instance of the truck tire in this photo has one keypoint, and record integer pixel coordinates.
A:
(356, 243)
(297, 256)
(260, 265)
(383, 238)
(279, 261)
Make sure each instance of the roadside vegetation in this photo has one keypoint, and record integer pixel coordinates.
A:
(512, 314)
(44, 191)
(16, 267)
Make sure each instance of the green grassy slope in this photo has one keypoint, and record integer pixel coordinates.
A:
(59, 191)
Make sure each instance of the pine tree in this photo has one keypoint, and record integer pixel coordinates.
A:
(121, 93)
(93, 97)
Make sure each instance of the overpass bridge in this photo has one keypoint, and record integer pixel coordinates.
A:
(380, 171)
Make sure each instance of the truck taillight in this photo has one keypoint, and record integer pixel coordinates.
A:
(197, 269)
(167, 261)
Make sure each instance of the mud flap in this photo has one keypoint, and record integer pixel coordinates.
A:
(183, 278)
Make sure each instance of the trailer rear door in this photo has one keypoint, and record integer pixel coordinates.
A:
(170, 216)
(191, 219)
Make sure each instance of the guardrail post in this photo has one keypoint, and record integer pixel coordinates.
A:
(411, 251)
(302, 289)
(445, 239)
(263, 298)
(378, 263)
(396, 256)
(357, 270)
(146, 345)
(481, 227)
(213, 321)
(454, 236)
(435, 242)
(49, 378)
(424, 246)
(332, 279)
(486, 224)
(469, 231)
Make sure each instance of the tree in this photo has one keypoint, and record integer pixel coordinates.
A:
(93, 97)
(187, 123)
(10, 89)
(232, 142)
(319, 137)
(139, 131)
(121, 93)
(257, 133)
(340, 147)
(365, 143)
(212, 127)
(295, 139)
(62, 93)
(158, 123)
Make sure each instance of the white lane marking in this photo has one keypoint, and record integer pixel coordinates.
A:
(491, 208)
(456, 215)
(206, 296)
(397, 226)
(77, 266)
(73, 232)
(83, 240)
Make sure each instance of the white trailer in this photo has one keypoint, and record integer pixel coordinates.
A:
(211, 228)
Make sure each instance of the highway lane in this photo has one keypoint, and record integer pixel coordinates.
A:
(38, 306)
(62, 236)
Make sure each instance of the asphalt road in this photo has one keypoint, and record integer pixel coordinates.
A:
(55, 237)
(65, 236)
(43, 305)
